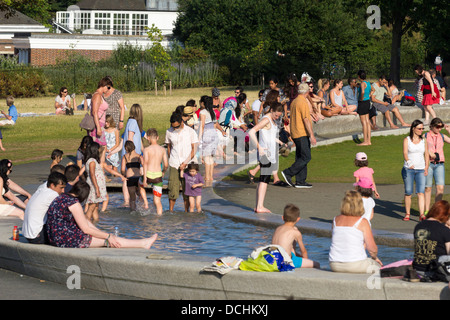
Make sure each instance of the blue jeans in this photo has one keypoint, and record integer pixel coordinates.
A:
(436, 171)
(413, 175)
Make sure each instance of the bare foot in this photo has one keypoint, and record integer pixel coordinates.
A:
(149, 241)
(262, 210)
(394, 127)
(406, 125)
(364, 144)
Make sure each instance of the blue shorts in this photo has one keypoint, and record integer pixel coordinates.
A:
(436, 171)
(297, 260)
(413, 175)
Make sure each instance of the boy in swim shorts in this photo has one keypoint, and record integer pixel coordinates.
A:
(287, 234)
(155, 165)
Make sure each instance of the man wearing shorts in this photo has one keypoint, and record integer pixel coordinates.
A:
(182, 143)
(380, 89)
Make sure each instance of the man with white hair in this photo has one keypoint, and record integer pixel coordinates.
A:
(303, 135)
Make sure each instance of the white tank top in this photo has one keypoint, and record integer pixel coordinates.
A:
(416, 154)
(267, 140)
(347, 243)
(338, 98)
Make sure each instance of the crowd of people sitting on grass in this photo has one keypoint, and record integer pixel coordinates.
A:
(204, 133)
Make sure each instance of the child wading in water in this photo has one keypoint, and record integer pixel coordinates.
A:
(193, 186)
(288, 234)
(96, 181)
(364, 171)
(155, 159)
(112, 142)
(131, 168)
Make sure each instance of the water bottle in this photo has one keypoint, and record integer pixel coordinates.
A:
(15, 233)
(116, 231)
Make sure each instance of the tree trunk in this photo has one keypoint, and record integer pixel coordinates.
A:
(397, 33)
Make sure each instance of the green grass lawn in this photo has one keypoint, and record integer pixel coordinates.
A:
(335, 163)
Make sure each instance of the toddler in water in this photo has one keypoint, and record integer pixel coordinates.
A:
(193, 186)
(364, 171)
(112, 142)
(365, 187)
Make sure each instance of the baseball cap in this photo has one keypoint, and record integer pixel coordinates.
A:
(361, 156)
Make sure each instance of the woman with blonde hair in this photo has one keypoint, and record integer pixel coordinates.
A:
(351, 237)
(133, 129)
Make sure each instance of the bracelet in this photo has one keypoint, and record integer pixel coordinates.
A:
(120, 120)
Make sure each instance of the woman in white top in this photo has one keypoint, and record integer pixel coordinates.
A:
(351, 237)
(208, 138)
(63, 102)
(415, 167)
(337, 99)
(267, 146)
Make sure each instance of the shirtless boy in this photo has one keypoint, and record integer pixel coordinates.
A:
(287, 234)
(155, 159)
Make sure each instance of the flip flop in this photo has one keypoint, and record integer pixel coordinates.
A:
(251, 177)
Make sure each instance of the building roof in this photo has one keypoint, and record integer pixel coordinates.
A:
(16, 18)
(124, 5)
(128, 5)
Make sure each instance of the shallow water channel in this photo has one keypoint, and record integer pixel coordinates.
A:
(210, 235)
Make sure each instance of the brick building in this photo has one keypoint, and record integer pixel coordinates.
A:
(16, 25)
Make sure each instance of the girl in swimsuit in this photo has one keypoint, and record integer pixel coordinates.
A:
(131, 168)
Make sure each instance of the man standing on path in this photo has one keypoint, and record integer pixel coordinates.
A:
(303, 136)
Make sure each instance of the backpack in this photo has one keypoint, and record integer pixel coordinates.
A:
(271, 258)
(439, 269)
(227, 111)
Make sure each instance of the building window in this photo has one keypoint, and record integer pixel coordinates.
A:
(63, 18)
(102, 22)
(121, 23)
(82, 21)
(139, 23)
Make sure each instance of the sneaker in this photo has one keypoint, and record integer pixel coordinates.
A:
(304, 185)
(287, 178)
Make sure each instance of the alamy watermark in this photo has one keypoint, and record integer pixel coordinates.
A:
(374, 20)
(74, 280)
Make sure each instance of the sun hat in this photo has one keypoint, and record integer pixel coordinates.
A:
(188, 110)
(365, 183)
(361, 156)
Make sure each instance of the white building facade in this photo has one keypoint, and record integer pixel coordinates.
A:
(118, 17)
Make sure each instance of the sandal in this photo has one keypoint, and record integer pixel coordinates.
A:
(406, 218)
(251, 177)
(422, 217)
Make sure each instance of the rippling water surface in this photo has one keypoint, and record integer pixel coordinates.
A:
(209, 235)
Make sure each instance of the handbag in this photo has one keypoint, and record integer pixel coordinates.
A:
(87, 122)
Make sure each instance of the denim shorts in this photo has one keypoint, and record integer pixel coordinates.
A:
(413, 175)
(436, 171)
